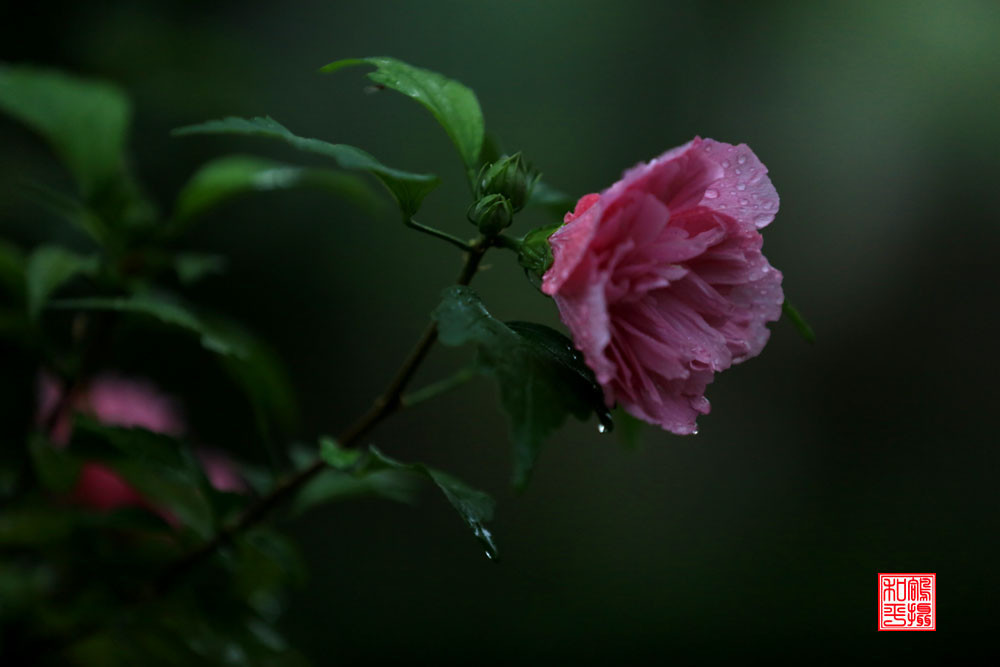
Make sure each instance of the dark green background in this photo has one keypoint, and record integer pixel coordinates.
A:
(820, 466)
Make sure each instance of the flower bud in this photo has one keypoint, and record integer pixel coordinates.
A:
(491, 214)
(535, 253)
(509, 176)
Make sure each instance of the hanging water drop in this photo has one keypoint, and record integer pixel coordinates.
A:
(601, 428)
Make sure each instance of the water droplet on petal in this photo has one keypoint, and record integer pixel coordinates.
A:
(725, 164)
(739, 171)
(711, 194)
(694, 432)
(741, 187)
(741, 159)
(743, 201)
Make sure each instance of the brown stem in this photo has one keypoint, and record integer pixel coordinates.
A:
(384, 406)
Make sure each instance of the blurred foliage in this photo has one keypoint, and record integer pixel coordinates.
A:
(872, 452)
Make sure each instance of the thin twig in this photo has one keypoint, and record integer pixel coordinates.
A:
(437, 233)
(383, 406)
(435, 389)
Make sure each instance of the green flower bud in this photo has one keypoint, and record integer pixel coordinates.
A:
(509, 176)
(491, 214)
(535, 254)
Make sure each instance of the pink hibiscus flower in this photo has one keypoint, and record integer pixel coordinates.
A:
(124, 402)
(661, 280)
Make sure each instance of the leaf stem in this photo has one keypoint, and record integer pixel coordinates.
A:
(508, 243)
(385, 405)
(437, 233)
(799, 322)
(435, 389)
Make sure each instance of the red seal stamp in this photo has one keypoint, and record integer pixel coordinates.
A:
(907, 601)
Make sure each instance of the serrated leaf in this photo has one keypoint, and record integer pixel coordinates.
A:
(228, 177)
(474, 506)
(409, 189)
(84, 121)
(542, 378)
(162, 309)
(48, 268)
(453, 105)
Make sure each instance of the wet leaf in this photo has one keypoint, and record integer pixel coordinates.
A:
(453, 105)
(409, 189)
(542, 378)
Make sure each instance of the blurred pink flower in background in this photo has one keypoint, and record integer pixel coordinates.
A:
(111, 400)
(221, 472)
(661, 280)
(125, 402)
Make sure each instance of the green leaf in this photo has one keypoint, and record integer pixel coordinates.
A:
(228, 177)
(48, 268)
(166, 311)
(157, 465)
(72, 211)
(249, 361)
(334, 486)
(336, 456)
(542, 378)
(409, 189)
(84, 121)
(346, 480)
(453, 105)
(474, 506)
(798, 322)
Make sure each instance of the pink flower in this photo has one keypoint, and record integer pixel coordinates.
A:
(111, 400)
(221, 472)
(661, 280)
(123, 402)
